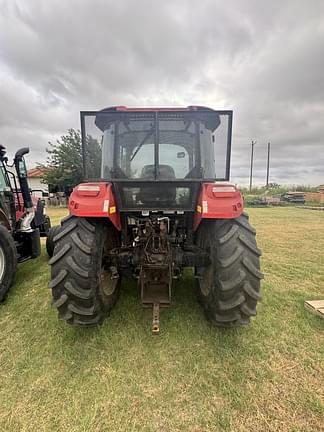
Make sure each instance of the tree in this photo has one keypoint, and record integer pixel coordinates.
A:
(93, 157)
(65, 160)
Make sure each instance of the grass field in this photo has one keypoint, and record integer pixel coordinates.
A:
(265, 377)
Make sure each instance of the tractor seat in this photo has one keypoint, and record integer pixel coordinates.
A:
(158, 194)
(166, 172)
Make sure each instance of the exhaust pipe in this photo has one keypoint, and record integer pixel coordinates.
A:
(21, 170)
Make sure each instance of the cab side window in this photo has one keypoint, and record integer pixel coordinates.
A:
(3, 183)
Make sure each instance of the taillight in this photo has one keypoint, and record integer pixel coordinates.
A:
(220, 189)
(223, 187)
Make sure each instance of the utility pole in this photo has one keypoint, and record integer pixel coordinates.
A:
(268, 165)
(251, 170)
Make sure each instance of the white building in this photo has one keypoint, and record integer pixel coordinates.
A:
(34, 180)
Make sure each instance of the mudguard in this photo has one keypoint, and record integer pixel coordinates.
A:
(218, 200)
(95, 200)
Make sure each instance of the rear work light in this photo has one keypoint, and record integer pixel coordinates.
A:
(88, 190)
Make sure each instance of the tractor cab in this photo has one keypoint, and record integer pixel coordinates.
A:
(156, 158)
(6, 202)
(16, 200)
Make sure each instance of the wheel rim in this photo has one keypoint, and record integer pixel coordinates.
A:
(206, 282)
(107, 284)
(2, 264)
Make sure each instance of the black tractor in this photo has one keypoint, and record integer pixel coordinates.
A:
(22, 218)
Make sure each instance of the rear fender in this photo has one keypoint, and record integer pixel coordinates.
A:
(95, 199)
(4, 219)
(218, 200)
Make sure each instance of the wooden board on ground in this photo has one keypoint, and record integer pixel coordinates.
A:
(316, 307)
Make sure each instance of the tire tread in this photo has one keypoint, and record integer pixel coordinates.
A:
(234, 287)
(75, 264)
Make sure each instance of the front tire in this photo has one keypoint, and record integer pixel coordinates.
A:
(50, 239)
(229, 288)
(8, 261)
(83, 288)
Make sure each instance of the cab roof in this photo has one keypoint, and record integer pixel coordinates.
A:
(122, 108)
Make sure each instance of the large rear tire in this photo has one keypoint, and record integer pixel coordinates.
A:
(83, 288)
(8, 261)
(229, 288)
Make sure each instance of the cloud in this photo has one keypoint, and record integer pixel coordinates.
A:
(264, 60)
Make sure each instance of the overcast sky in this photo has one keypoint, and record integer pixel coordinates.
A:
(263, 59)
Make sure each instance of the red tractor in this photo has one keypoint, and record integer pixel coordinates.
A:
(22, 219)
(156, 200)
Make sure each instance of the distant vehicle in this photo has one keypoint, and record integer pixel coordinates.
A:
(294, 197)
